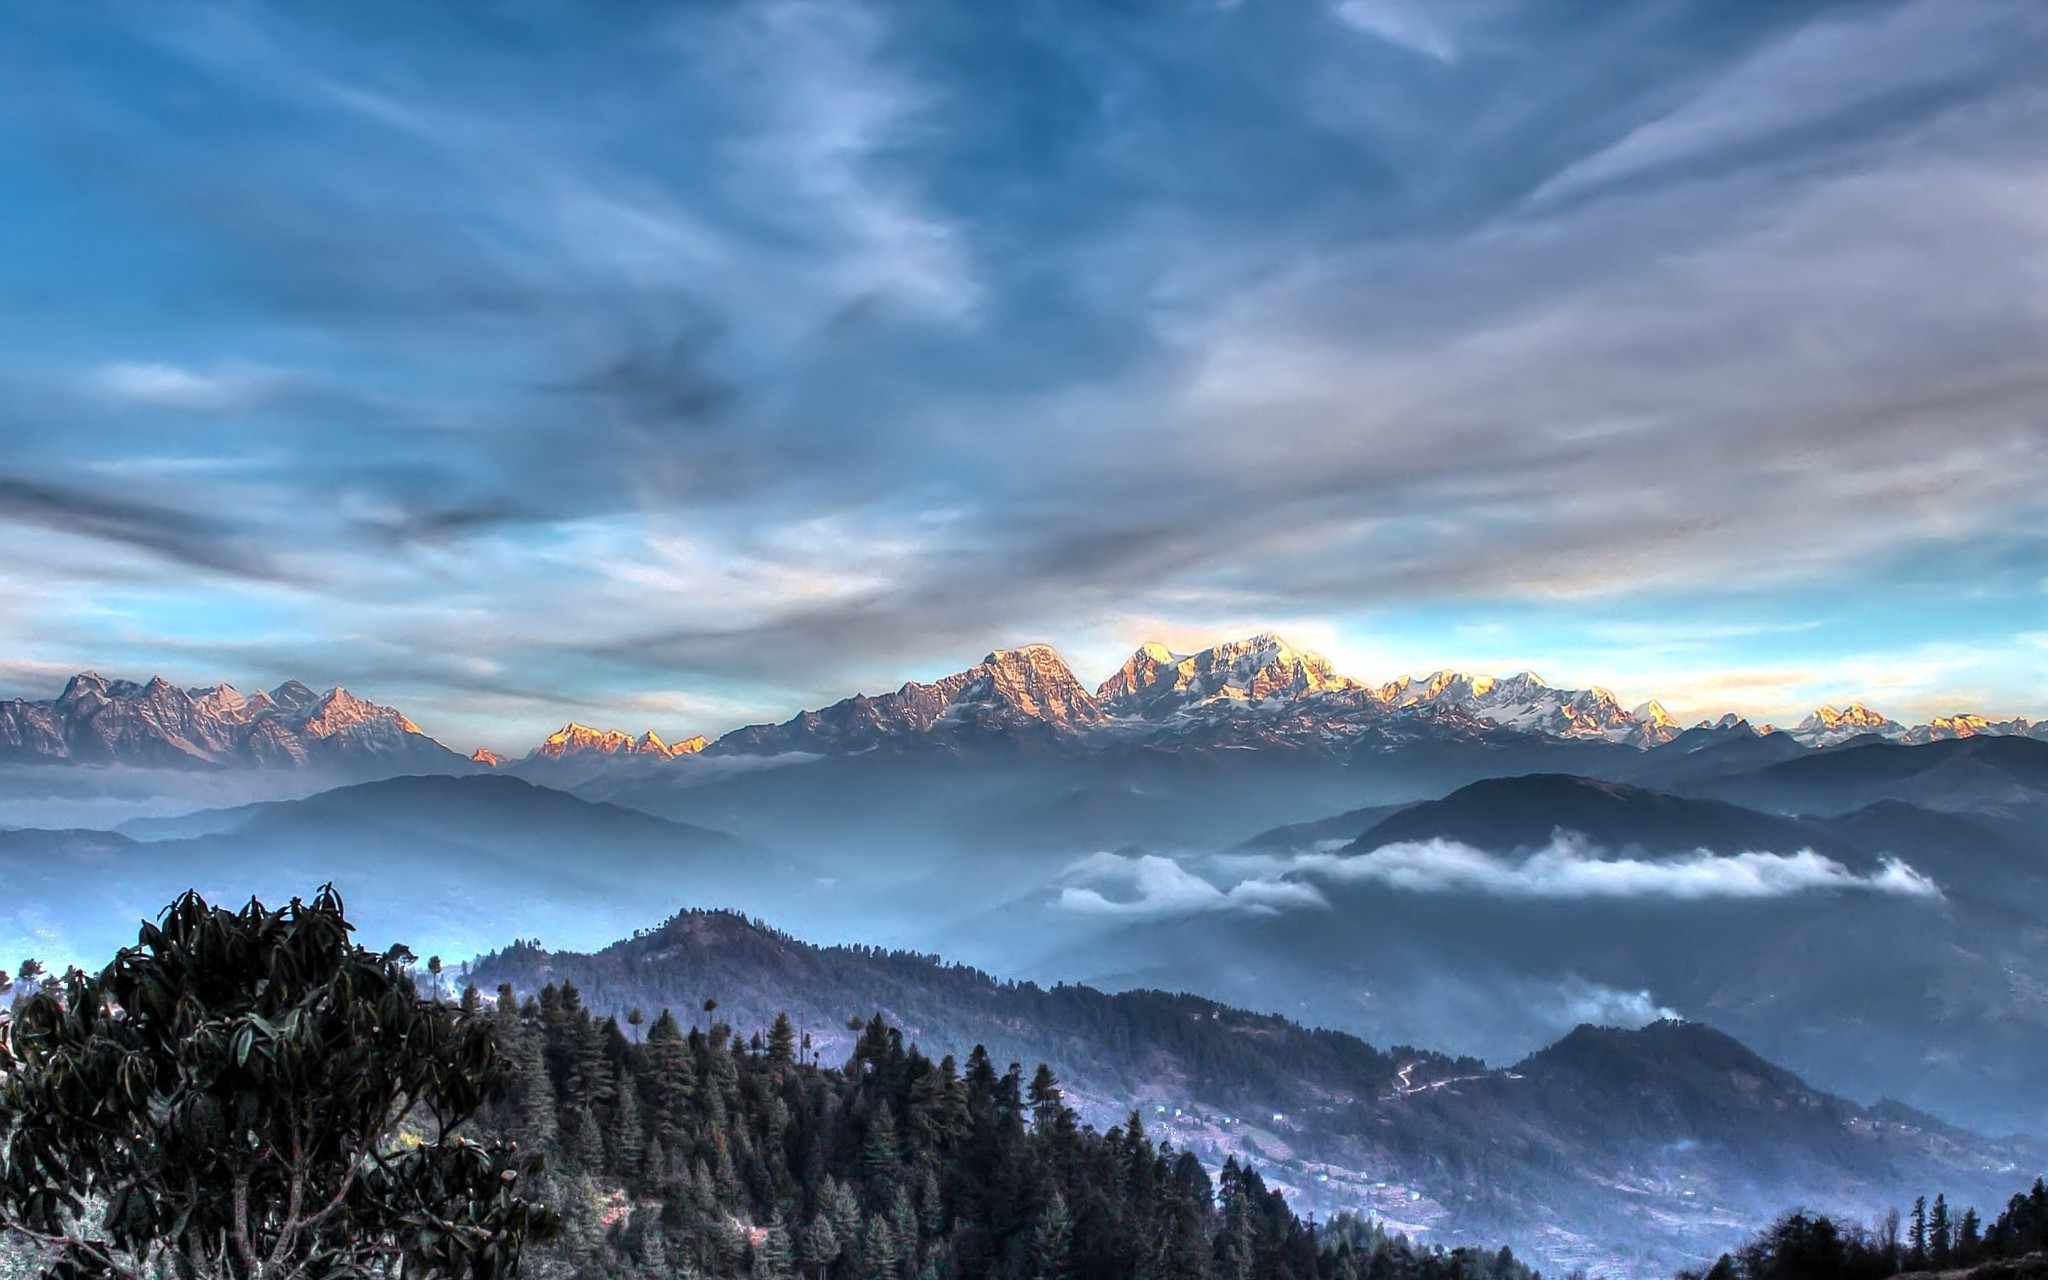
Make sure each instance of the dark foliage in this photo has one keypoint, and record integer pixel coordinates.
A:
(1803, 1246)
(249, 1094)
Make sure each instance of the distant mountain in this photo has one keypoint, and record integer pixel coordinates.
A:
(450, 863)
(1868, 915)
(1524, 702)
(1508, 815)
(1156, 683)
(1255, 693)
(100, 721)
(1956, 774)
(1026, 694)
(1672, 1138)
(575, 739)
(1830, 727)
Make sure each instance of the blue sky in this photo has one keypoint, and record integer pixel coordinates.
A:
(684, 364)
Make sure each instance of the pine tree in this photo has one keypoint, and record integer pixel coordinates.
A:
(628, 1136)
(1969, 1244)
(1938, 1239)
(1052, 1241)
(782, 1040)
(1916, 1240)
(774, 1256)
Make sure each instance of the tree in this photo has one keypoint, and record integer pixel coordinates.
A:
(248, 1095)
(1938, 1232)
(782, 1040)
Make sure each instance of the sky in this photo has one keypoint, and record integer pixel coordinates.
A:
(680, 365)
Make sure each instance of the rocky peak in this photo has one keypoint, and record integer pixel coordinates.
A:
(575, 739)
(86, 684)
(340, 712)
(1829, 726)
(486, 757)
(1155, 681)
(159, 724)
(292, 696)
(1526, 701)
(1032, 683)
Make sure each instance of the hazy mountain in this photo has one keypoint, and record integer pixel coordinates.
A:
(1889, 950)
(1830, 727)
(448, 863)
(1673, 1138)
(1957, 774)
(119, 722)
(1505, 815)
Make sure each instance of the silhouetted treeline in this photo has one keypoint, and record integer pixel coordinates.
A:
(687, 1152)
(1803, 1246)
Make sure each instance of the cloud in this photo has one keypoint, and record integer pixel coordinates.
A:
(1822, 74)
(1577, 1000)
(167, 386)
(1148, 885)
(1400, 23)
(197, 541)
(1570, 868)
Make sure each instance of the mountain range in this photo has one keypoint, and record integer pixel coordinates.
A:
(1247, 694)
(100, 721)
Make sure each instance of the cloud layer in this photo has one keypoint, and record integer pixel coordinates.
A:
(1569, 869)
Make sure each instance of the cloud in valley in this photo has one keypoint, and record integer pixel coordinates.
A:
(1569, 869)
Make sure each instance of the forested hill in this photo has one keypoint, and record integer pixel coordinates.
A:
(1114, 1049)
(1653, 1147)
(700, 1154)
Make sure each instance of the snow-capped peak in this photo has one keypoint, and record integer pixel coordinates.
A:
(574, 739)
(1155, 681)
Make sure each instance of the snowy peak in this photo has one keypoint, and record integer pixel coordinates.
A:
(155, 723)
(1156, 682)
(575, 739)
(1032, 683)
(1027, 692)
(1526, 702)
(1829, 726)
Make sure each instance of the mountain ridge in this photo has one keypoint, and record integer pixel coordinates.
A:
(1255, 693)
(1672, 1134)
(95, 720)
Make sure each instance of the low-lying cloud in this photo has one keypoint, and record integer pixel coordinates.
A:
(1568, 869)
(1149, 885)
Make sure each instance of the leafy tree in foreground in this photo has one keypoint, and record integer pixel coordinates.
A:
(248, 1095)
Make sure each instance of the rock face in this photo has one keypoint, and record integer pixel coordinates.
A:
(1828, 726)
(100, 721)
(1027, 693)
(1156, 683)
(574, 740)
(1525, 702)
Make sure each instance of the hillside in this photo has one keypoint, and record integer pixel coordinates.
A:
(1708, 1139)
